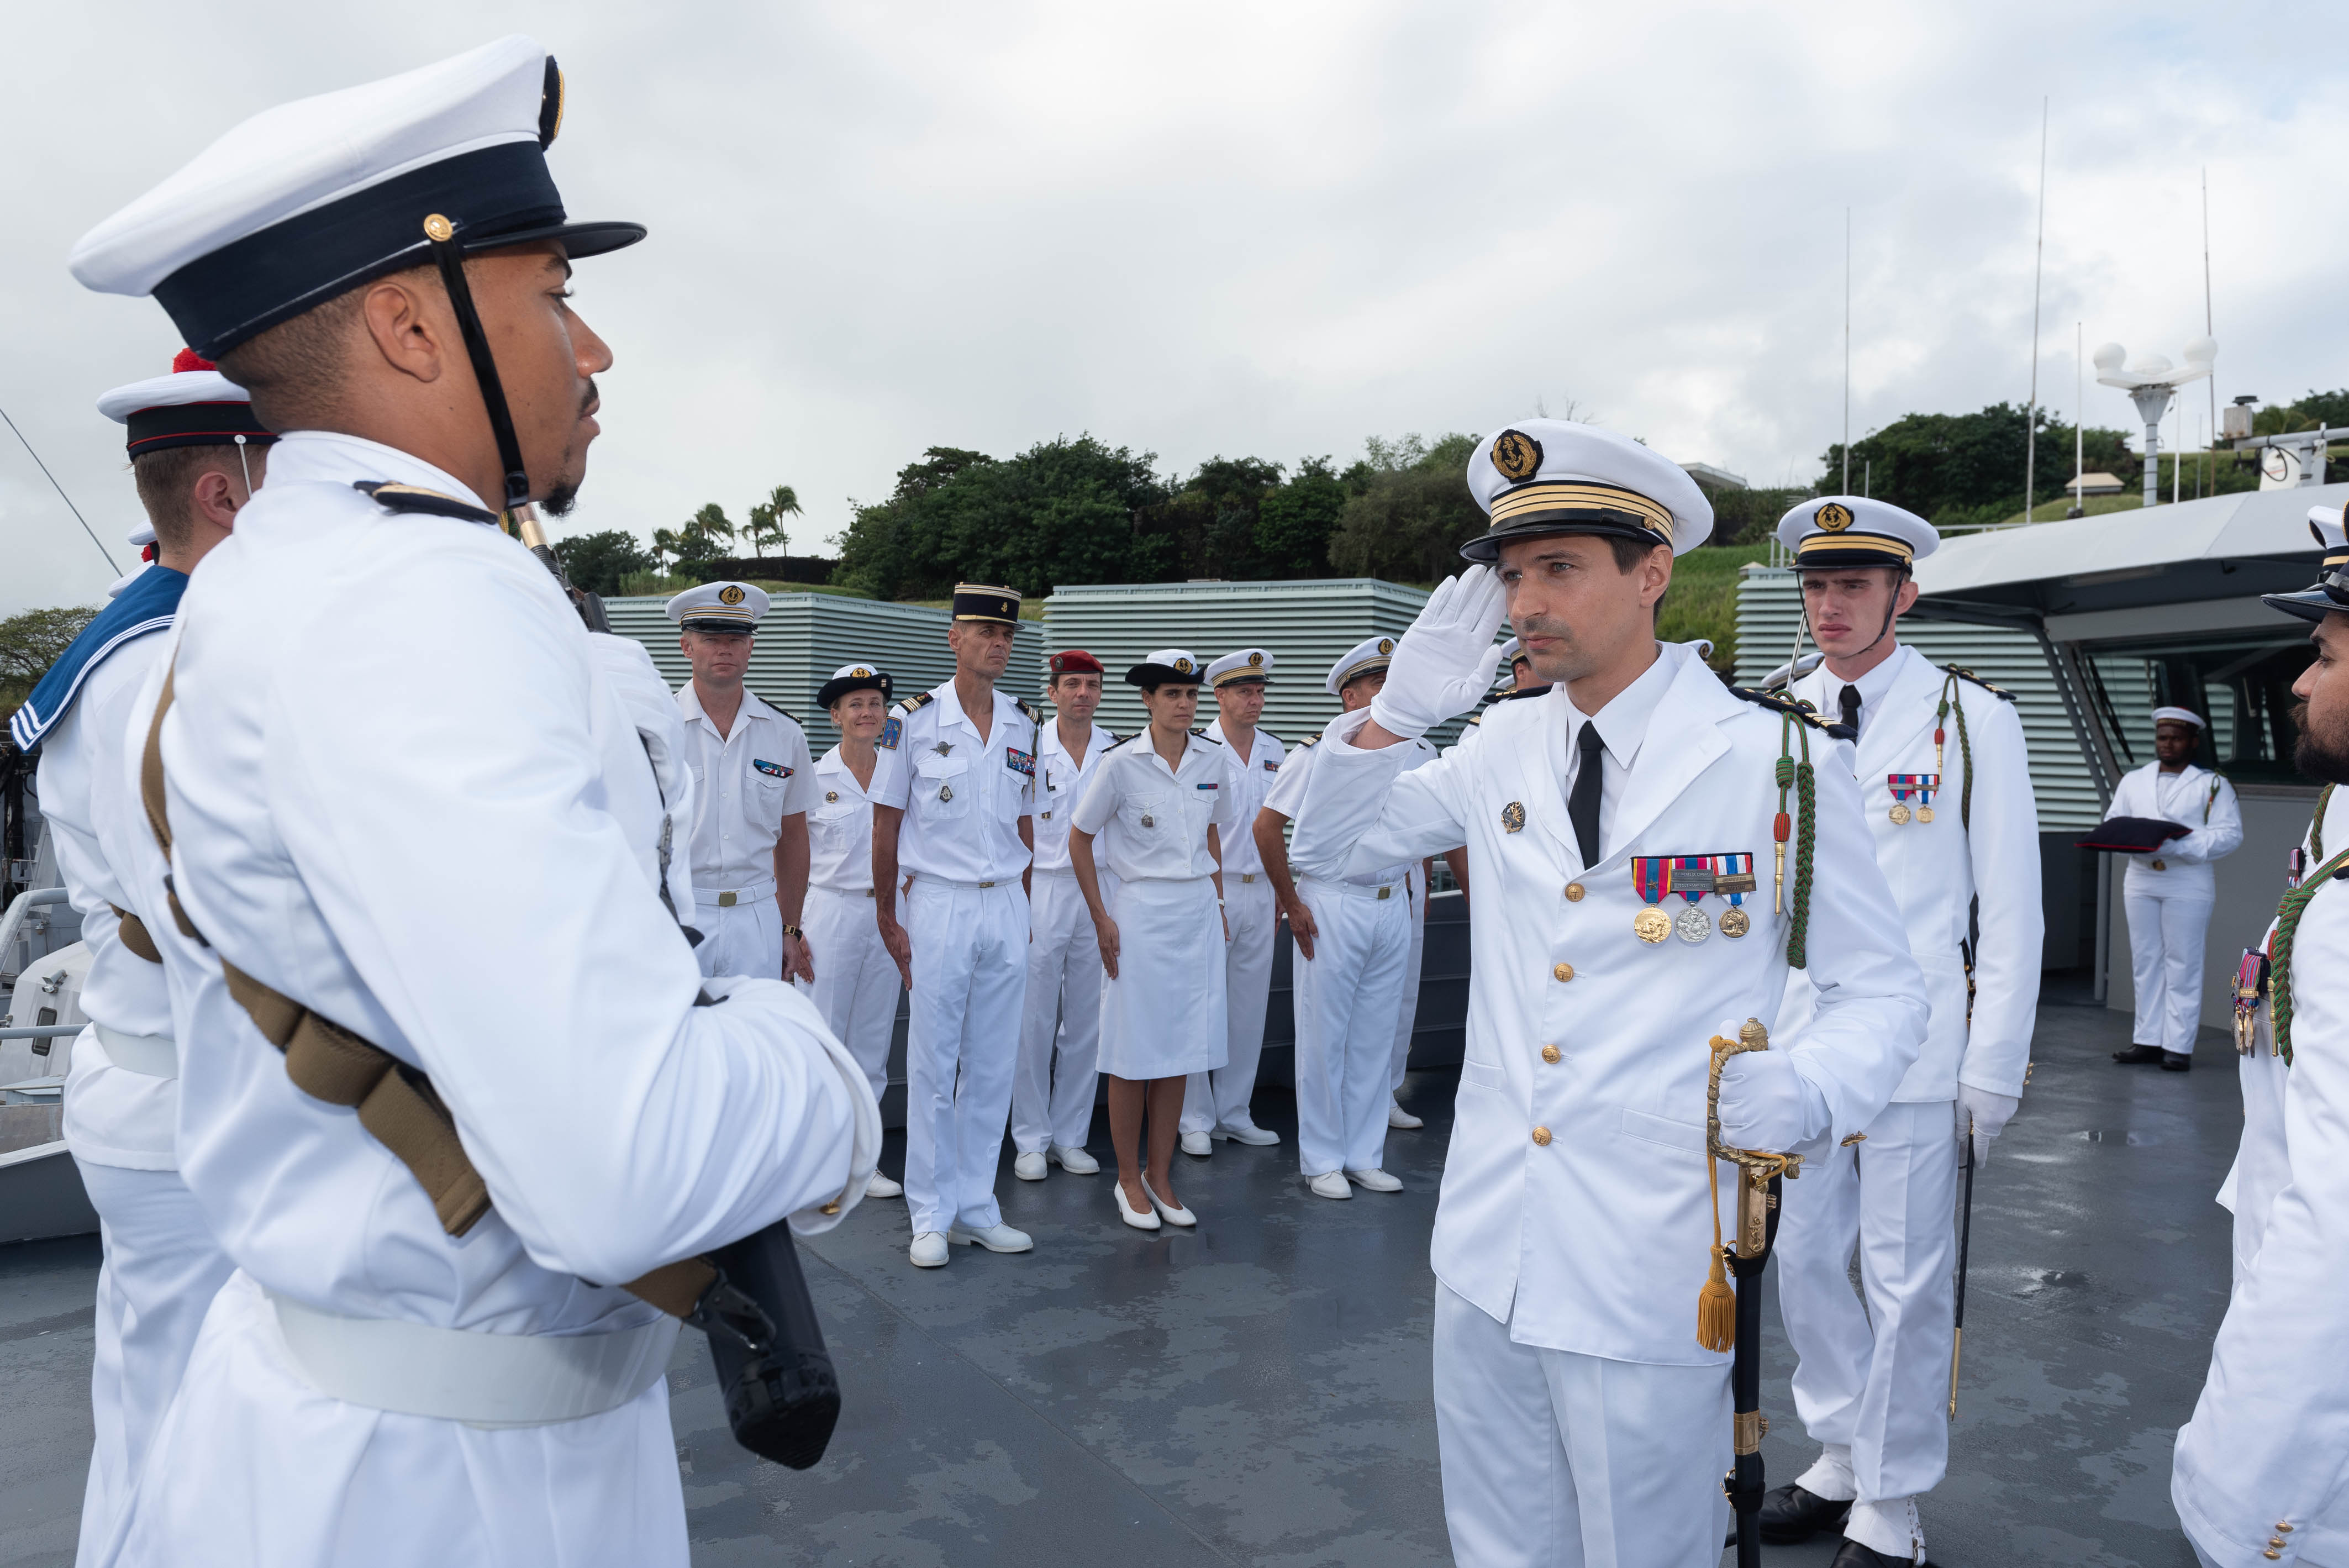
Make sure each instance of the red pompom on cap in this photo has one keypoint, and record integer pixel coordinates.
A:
(188, 359)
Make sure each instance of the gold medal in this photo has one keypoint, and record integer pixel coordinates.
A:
(1652, 924)
(1899, 812)
(1735, 922)
(1924, 814)
(1694, 925)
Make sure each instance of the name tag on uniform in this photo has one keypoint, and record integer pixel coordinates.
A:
(1020, 761)
(1272, 767)
(772, 770)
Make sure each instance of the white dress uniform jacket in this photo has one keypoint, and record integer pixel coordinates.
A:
(1059, 1024)
(2259, 1469)
(746, 783)
(2169, 895)
(856, 985)
(467, 900)
(1593, 1239)
(1221, 1098)
(2205, 803)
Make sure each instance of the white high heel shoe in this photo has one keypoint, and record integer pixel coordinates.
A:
(1140, 1219)
(1173, 1214)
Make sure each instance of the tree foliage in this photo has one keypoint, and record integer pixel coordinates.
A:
(1408, 511)
(597, 562)
(767, 519)
(1959, 469)
(32, 642)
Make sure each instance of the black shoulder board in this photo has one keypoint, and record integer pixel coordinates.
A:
(1795, 706)
(1021, 703)
(1962, 673)
(1113, 741)
(779, 708)
(917, 700)
(415, 498)
(1206, 737)
(1523, 692)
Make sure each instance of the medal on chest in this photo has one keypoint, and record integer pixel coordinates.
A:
(1905, 787)
(1732, 879)
(1652, 924)
(1690, 875)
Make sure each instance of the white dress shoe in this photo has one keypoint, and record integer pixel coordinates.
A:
(1401, 1120)
(1173, 1214)
(881, 1187)
(929, 1250)
(1374, 1180)
(994, 1239)
(1028, 1167)
(1140, 1219)
(1197, 1144)
(1248, 1133)
(1331, 1184)
(1075, 1161)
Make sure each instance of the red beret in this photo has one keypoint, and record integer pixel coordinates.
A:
(1075, 661)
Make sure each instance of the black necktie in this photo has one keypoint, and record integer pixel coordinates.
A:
(1850, 701)
(1582, 804)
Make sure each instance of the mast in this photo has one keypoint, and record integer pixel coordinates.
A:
(2038, 257)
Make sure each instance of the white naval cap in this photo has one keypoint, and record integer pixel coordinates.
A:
(2329, 594)
(1555, 476)
(1854, 531)
(1370, 654)
(848, 678)
(195, 405)
(1246, 665)
(309, 200)
(2178, 716)
(718, 606)
(1166, 667)
(142, 536)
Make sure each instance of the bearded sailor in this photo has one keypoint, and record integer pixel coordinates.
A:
(1946, 782)
(1579, 1419)
(196, 454)
(2168, 893)
(432, 1123)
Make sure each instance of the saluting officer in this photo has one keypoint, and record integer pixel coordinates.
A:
(1352, 931)
(1216, 1106)
(856, 986)
(958, 816)
(1579, 1419)
(2257, 1476)
(196, 452)
(432, 1123)
(1060, 1027)
(1946, 783)
(752, 789)
(2169, 894)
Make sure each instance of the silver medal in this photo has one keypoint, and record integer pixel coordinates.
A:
(1692, 925)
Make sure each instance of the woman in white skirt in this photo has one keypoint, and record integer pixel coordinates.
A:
(856, 985)
(1159, 809)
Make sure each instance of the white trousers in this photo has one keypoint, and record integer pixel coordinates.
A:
(1346, 995)
(1059, 1026)
(160, 1271)
(742, 939)
(856, 985)
(970, 978)
(1872, 1385)
(1562, 1460)
(2166, 942)
(1221, 1098)
(1407, 1008)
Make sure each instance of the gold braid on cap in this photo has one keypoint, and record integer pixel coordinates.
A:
(1549, 495)
(1881, 543)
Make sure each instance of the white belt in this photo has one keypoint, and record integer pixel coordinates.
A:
(727, 900)
(840, 892)
(1356, 889)
(152, 1055)
(924, 880)
(481, 1380)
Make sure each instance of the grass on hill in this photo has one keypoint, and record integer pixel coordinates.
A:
(1702, 601)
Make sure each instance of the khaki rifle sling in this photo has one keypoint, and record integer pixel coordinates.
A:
(396, 1103)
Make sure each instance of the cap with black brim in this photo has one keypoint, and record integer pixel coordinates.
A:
(857, 678)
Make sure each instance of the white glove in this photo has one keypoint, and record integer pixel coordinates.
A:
(1444, 662)
(1984, 1114)
(1766, 1105)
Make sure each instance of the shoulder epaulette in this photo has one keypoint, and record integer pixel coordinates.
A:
(1206, 737)
(779, 708)
(1476, 719)
(1962, 673)
(1021, 703)
(1795, 706)
(1306, 743)
(1113, 741)
(919, 700)
(416, 498)
(1523, 692)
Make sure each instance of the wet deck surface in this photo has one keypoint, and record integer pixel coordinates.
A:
(1258, 1392)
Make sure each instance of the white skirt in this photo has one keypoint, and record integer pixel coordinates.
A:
(1164, 1015)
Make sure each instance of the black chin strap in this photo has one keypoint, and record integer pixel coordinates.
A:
(450, 256)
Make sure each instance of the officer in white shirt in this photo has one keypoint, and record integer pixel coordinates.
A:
(2169, 894)
(1060, 1026)
(856, 986)
(1352, 931)
(752, 785)
(196, 452)
(1579, 1419)
(2257, 1475)
(1216, 1106)
(1946, 782)
(957, 819)
(423, 1306)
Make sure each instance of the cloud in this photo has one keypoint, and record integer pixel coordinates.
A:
(1242, 229)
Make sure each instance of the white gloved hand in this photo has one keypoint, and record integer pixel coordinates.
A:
(1444, 662)
(1985, 1114)
(1766, 1105)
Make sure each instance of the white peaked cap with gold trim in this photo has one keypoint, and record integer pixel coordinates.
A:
(1854, 531)
(1556, 476)
(719, 606)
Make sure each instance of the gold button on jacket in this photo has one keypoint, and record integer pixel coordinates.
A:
(1563, 972)
(1550, 1053)
(1573, 892)
(1541, 1136)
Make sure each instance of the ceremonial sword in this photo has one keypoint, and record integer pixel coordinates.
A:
(1965, 1236)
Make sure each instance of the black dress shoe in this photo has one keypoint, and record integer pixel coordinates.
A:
(2176, 1061)
(1790, 1514)
(2140, 1056)
(1852, 1554)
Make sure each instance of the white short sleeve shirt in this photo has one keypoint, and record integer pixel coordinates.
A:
(840, 823)
(1150, 820)
(963, 797)
(745, 782)
(1251, 781)
(1061, 783)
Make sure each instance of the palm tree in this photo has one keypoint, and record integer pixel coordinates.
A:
(767, 516)
(665, 544)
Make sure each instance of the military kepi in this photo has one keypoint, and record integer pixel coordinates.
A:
(1242, 667)
(309, 200)
(977, 601)
(1167, 666)
(1555, 476)
(195, 405)
(719, 606)
(1855, 531)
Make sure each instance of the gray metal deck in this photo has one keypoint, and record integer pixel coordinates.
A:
(1258, 1393)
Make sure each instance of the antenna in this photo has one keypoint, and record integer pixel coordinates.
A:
(2079, 412)
(2038, 257)
(61, 493)
(1847, 364)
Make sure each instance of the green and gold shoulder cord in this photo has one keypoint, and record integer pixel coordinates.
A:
(1798, 777)
(1951, 699)
(2288, 913)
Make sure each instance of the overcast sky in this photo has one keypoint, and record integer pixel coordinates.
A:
(1252, 229)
